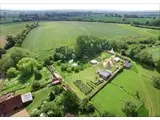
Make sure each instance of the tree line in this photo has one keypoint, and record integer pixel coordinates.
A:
(89, 46)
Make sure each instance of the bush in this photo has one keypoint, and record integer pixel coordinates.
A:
(35, 113)
(12, 72)
(69, 69)
(107, 114)
(35, 86)
(156, 82)
(130, 109)
(47, 61)
(51, 96)
(51, 109)
(37, 75)
(58, 90)
(64, 67)
(59, 62)
(76, 69)
(123, 52)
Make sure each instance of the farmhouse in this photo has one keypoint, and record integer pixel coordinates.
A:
(104, 74)
(10, 103)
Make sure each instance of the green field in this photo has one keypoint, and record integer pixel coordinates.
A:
(44, 39)
(113, 19)
(137, 79)
(12, 28)
(39, 96)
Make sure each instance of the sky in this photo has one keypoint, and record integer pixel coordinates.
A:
(111, 7)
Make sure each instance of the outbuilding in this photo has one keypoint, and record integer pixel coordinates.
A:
(104, 74)
(127, 65)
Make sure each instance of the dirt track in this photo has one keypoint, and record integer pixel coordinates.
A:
(21, 113)
(2, 41)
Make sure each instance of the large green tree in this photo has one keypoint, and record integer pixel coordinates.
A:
(51, 109)
(70, 102)
(129, 109)
(11, 58)
(27, 66)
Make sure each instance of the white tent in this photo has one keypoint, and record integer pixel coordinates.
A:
(74, 64)
(94, 61)
(116, 59)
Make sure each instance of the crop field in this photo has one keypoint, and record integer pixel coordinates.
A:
(10, 29)
(44, 39)
(135, 79)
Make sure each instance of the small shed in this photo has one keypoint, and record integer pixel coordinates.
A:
(104, 74)
(27, 97)
(127, 65)
(56, 75)
(55, 82)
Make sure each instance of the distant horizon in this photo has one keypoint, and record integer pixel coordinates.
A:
(93, 10)
(82, 7)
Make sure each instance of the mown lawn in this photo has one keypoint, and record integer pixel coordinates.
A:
(85, 75)
(111, 98)
(39, 96)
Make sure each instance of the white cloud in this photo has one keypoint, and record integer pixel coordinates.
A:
(121, 7)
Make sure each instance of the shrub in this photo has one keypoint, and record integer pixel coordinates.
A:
(107, 114)
(37, 75)
(51, 96)
(156, 82)
(59, 62)
(130, 109)
(64, 67)
(69, 69)
(76, 69)
(35, 86)
(47, 61)
(35, 113)
(12, 72)
(58, 90)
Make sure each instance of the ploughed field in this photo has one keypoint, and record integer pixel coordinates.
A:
(44, 39)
